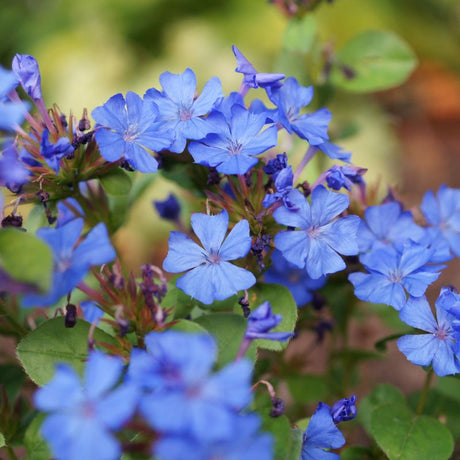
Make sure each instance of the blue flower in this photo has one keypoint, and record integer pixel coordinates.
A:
(71, 262)
(443, 212)
(168, 209)
(82, 417)
(13, 174)
(344, 410)
(334, 151)
(320, 240)
(289, 99)
(68, 210)
(285, 193)
(321, 435)
(91, 312)
(27, 71)
(392, 273)
(11, 113)
(449, 299)
(295, 279)
(180, 395)
(246, 443)
(387, 224)
(344, 176)
(179, 109)
(231, 147)
(210, 276)
(276, 165)
(440, 346)
(261, 321)
(252, 78)
(53, 153)
(128, 129)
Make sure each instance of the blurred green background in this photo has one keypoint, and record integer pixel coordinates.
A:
(89, 50)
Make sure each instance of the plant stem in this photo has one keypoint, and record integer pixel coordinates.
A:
(11, 453)
(424, 394)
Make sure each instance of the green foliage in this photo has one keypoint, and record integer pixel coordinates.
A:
(307, 388)
(117, 182)
(51, 343)
(378, 60)
(382, 394)
(37, 448)
(300, 34)
(356, 453)
(2, 440)
(12, 378)
(26, 258)
(228, 329)
(405, 436)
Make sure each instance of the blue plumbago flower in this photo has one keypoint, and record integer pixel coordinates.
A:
(443, 212)
(252, 78)
(276, 165)
(344, 410)
(320, 240)
(440, 346)
(179, 109)
(334, 151)
(261, 321)
(13, 174)
(344, 176)
(321, 435)
(180, 397)
(27, 71)
(210, 277)
(168, 209)
(234, 143)
(128, 128)
(53, 153)
(71, 262)
(285, 193)
(91, 312)
(11, 113)
(392, 273)
(82, 417)
(68, 210)
(245, 444)
(289, 99)
(449, 299)
(387, 224)
(295, 279)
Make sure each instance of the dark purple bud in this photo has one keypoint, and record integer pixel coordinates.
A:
(125, 165)
(213, 177)
(318, 301)
(84, 124)
(26, 69)
(168, 209)
(64, 120)
(12, 221)
(321, 328)
(278, 407)
(276, 164)
(348, 72)
(344, 410)
(245, 306)
(70, 315)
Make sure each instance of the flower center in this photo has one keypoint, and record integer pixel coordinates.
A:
(395, 276)
(235, 147)
(442, 334)
(131, 134)
(185, 114)
(213, 258)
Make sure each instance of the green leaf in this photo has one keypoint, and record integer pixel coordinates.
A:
(117, 182)
(26, 258)
(300, 34)
(184, 325)
(295, 444)
(228, 329)
(37, 448)
(52, 343)
(405, 436)
(282, 304)
(307, 388)
(2, 440)
(281, 431)
(379, 60)
(382, 394)
(12, 378)
(356, 453)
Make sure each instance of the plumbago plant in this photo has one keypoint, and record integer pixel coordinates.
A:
(190, 366)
